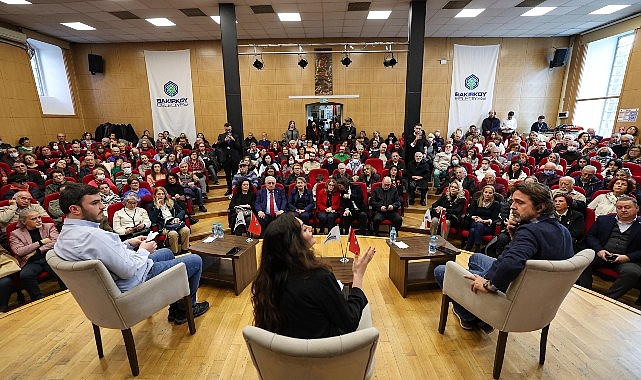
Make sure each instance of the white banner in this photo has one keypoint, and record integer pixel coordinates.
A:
(472, 91)
(172, 98)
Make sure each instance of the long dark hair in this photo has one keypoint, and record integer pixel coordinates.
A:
(284, 252)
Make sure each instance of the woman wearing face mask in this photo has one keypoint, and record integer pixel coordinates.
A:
(603, 155)
(354, 164)
(483, 170)
(100, 176)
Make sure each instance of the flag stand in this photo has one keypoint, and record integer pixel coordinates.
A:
(344, 259)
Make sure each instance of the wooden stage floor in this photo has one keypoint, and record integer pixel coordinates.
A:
(592, 337)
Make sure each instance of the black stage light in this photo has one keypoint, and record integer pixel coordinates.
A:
(258, 64)
(302, 63)
(389, 62)
(346, 61)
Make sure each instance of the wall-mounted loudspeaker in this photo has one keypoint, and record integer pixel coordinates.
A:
(96, 64)
(560, 57)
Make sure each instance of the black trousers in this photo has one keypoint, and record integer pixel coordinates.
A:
(392, 216)
(230, 167)
(346, 222)
(629, 276)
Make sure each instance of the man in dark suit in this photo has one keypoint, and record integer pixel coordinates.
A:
(230, 153)
(615, 239)
(466, 182)
(418, 172)
(416, 141)
(385, 203)
(271, 203)
(352, 207)
(490, 124)
(540, 126)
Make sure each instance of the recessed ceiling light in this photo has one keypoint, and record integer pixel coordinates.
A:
(378, 15)
(289, 16)
(538, 11)
(15, 2)
(608, 9)
(470, 12)
(78, 26)
(162, 21)
(217, 19)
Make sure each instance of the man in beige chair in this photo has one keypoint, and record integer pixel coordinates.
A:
(530, 227)
(131, 262)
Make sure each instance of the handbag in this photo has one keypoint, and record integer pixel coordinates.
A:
(8, 265)
(246, 212)
(175, 226)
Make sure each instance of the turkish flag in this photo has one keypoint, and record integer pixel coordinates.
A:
(254, 226)
(353, 243)
(443, 222)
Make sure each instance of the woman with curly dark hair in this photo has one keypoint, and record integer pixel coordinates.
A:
(296, 295)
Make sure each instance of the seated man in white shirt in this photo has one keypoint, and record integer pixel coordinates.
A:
(131, 262)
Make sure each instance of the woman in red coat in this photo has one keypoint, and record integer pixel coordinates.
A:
(328, 204)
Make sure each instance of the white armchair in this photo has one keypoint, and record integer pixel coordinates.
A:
(530, 303)
(106, 306)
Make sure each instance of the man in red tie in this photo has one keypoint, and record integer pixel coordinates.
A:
(271, 202)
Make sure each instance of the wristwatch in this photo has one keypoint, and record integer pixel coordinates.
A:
(489, 287)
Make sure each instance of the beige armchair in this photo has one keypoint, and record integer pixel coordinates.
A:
(349, 356)
(530, 303)
(106, 306)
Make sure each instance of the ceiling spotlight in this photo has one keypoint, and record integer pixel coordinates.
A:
(346, 61)
(302, 63)
(258, 64)
(389, 61)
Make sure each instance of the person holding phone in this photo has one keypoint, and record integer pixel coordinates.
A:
(131, 262)
(615, 240)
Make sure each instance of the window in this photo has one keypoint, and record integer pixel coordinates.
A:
(35, 67)
(51, 79)
(604, 69)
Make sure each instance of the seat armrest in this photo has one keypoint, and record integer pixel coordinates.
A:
(492, 308)
(147, 298)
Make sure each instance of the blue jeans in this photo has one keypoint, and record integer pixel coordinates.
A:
(478, 264)
(477, 230)
(164, 259)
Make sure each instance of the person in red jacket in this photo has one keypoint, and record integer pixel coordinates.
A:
(328, 203)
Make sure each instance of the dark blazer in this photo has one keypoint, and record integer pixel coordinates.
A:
(232, 150)
(155, 215)
(575, 223)
(380, 198)
(279, 198)
(602, 228)
(453, 208)
(355, 197)
(298, 202)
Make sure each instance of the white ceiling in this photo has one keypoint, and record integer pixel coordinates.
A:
(327, 19)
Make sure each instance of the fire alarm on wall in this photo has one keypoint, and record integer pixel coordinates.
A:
(563, 115)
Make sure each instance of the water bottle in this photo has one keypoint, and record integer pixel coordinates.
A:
(432, 245)
(392, 235)
(221, 231)
(214, 230)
